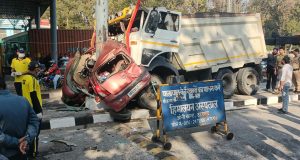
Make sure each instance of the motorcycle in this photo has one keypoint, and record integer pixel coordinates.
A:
(46, 81)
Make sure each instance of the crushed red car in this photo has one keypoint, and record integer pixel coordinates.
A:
(114, 77)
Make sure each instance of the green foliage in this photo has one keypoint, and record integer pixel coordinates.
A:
(184, 6)
(79, 14)
(73, 14)
(279, 17)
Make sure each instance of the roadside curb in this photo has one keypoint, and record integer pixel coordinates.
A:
(264, 100)
(71, 121)
(144, 114)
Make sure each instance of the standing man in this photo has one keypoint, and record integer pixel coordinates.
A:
(19, 66)
(271, 64)
(279, 65)
(32, 92)
(285, 83)
(18, 124)
(296, 71)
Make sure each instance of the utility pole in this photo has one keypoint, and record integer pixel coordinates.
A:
(101, 24)
(101, 36)
(53, 30)
(229, 6)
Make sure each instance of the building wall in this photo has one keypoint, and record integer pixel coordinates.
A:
(38, 42)
(69, 41)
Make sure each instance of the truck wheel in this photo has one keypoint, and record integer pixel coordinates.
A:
(147, 98)
(229, 82)
(248, 81)
(122, 116)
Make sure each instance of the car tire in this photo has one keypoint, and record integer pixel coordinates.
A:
(248, 81)
(122, 116)
(228, 80)
(147, 98)
(67, 101)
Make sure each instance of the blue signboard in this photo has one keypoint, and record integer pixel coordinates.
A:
(192, 104)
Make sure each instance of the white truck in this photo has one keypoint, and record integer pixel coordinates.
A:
(200, 46)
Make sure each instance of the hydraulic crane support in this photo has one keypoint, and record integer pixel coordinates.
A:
(130, 25)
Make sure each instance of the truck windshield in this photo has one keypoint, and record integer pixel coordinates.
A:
(169, 21)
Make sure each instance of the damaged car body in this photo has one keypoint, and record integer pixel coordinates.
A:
(113, 78)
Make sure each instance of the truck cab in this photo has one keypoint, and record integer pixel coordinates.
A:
(201, 46)
(159, 34)
(155, 31)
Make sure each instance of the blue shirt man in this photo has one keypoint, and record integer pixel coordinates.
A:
(18, 124)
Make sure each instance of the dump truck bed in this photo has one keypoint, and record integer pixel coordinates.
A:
(221, 40)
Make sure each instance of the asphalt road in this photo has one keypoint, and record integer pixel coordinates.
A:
(100, 141)
(260, 133)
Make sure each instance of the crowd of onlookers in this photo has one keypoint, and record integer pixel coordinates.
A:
(21, 113)
(274, 69)
(283, 73)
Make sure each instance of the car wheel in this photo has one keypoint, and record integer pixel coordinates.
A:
(147, 98)
(228, 80)
(67, 101)
(248, 81)
(122, 116)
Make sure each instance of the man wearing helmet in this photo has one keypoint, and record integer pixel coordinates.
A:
(19, 66)
(32, 92)
(54, 73)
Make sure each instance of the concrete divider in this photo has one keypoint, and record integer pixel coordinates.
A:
(89, 119)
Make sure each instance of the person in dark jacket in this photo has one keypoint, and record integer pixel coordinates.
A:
(18, 124)
(271, 75)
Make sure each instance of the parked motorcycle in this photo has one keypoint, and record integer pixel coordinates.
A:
(46, 81)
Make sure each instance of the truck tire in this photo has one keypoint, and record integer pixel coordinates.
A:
(147, 98)
(229, 81)
(122, 116)
(248, 81)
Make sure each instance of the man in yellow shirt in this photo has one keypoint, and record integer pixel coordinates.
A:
(32, 92)
(19, 66)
